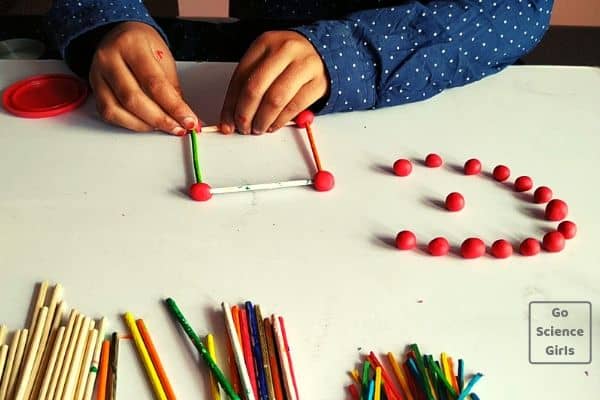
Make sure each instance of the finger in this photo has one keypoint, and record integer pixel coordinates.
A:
(280, 93)
(306, 96)
(154, 81)
(255, 86)
(133, 99)
(252, 56)
(111, 110)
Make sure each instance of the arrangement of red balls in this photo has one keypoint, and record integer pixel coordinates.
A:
(556, 210)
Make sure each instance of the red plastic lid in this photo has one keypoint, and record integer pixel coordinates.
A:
(44, 96)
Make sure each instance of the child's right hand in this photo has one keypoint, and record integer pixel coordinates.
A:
(135, 82)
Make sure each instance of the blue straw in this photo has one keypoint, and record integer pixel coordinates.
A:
(371, 390)
(261, 378)
(461, 375)
(469, 387)
(474, 396)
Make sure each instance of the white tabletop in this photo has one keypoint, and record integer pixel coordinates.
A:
(101, 211)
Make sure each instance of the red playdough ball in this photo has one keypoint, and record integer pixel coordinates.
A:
(438, 247)
(543, 194)
(568, 229)
(406, 240)
(529, 247)
(306, 117)
(556, 210)
(553, 242)
(323, 181)
(455, 201)
(501, 173)
(433, 160)
(402, 167)
(501, 249)
(472, 167)
(472, 248)
(200, 192)
(523, 184)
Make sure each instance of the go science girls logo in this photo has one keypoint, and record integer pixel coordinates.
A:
(560, 332)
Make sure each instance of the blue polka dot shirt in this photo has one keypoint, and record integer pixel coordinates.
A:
(379, 53)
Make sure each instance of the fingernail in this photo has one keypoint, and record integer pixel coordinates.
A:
(256, 131)
(179, 131)
(271, 129)
(190, 123)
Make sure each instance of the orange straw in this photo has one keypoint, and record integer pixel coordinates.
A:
(453, 375)
(103, 371)
(235, 314)
(313, 147)
(160, 371)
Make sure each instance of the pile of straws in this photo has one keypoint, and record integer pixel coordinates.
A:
(322, 181)
(419, 378)
(50, 359)
(259, 359)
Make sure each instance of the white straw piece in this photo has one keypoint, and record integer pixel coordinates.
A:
(238, 353)
(262, 186)
(93, 368)
(61, 356)
(78, 353)
(10, 360)
(51, 362)
(64, 373)
(288, 381)
(84, 367)
(17, 363)
(29, 358)
(3, 333)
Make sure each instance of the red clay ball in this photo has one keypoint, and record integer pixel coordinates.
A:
(553, 242)
(305, 118)
(438, 247)
(472, 248)
(402, 167)
(455, 201)
(501, 173)
(323, 181)
(543, 194)
(523, 184)
(472, 167)
(568, 229)
(433, 160)
(501, 249)
(529, 247)
(556, 210)
(406, 240)
(200, 192)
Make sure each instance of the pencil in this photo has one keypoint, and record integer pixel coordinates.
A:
(162, 375)
(103, 371)
(84, 365)
(400, 376)
(265, 352)
(113, 364)
(288, 382)
(214, 385)
(10, 360)
(247, 347)
(29, 358)
(273, 360)
(377, 395)
(159, 392)
(3, 356)
(60, 361)
(288, 352)
(223, 381)
(51, 362)
(261, 379)
(237, 352)
(93, 368)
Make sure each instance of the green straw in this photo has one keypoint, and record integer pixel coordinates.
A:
(223, 381)
(194, 138)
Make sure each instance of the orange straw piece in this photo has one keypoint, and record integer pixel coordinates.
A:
(313, 147)
(103, 371)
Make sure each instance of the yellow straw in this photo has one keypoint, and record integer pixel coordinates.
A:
(400, 376)
(145, 357)
(214, 385)
(355, 376)
(377, 384)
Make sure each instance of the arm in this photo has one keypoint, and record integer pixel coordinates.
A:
(396, 55)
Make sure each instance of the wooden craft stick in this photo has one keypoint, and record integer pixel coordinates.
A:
(162, 375)
(288, 381)
(10, 360)
(113, 364)
(62, 362)
(3, 356)
(93, 369)
(103, 371)
(3, 333)
(238, 353)
(29, 358)
(17, 363)
(86, 361)
(265, 353)
(313, 147)
(37, 304)
(273, 360)
(262, 186)
(60, 333)
(75, 364)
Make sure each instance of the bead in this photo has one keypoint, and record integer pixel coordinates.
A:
(323, 181)
(433, 160)
(523, 184)
(438, 247)
(553, 242)
(305, 118)
(529, 247)
(472, 248)
(543, 194)
(200, 192)
(402, 167)
(501, 173)
(501, 249)
(556, 210)
(568, 229)
(406, 240)
(455, 201)
(472, 167)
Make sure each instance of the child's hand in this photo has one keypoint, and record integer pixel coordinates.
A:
(135, 82)
(280, 75)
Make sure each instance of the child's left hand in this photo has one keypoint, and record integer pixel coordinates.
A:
(280, 75)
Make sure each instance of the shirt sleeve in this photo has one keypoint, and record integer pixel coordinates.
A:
(70, 19)
(411, 52)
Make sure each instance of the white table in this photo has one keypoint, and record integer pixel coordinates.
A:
(101, 211)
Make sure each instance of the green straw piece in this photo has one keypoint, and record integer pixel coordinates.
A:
(195, 157)
(442, 378)
(422, 371)
(365, 380)
(214, 368)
